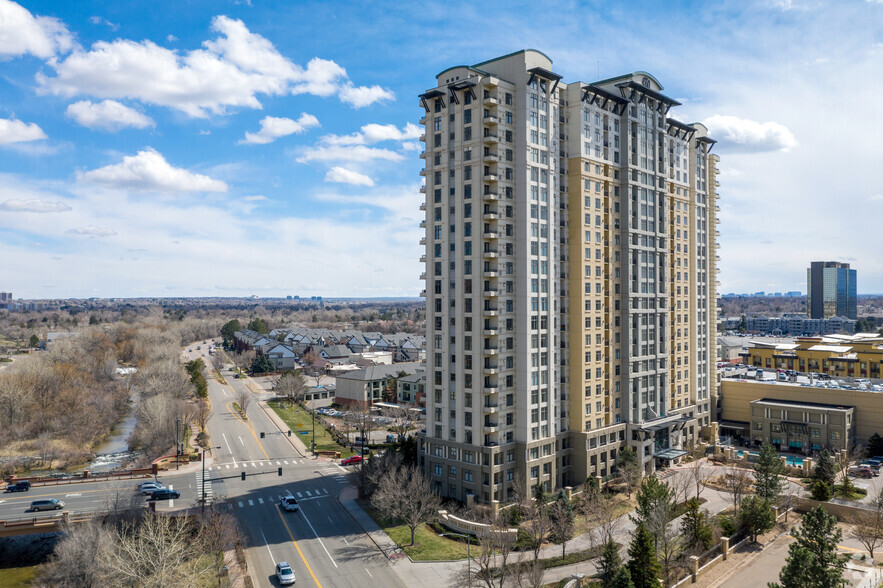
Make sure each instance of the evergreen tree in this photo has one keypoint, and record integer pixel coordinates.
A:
(756, 516)
(820, 490)
(609, 563)
(228, 329)
(622, 579)
(696, 527)
(768, 471)
(656, 505)
(825, 469)
(813, 560)
(643, 565)
(262, 364)
(34, 341)
(875, 445)
(260, 325)
(540, 495)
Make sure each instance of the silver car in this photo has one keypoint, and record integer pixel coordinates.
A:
(284, 573)
(51, 504)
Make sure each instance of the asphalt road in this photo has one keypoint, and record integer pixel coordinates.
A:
(322, 542)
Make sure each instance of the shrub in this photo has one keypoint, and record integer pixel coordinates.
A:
(727, 526)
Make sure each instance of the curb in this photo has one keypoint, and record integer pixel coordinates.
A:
(274, 418)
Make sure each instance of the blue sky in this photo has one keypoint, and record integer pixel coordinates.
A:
(271, 148)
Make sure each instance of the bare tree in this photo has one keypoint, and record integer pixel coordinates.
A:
(362, 421)
(699, 471)
(629, 468)
(217, 361)
(403, 420)
(669, 549)
(537, 526)
(150, 553)
(291, 386)
(737, 482)
(244, 359)
(680, 484)
(490, 565)
(563, 522)
(601, 514)
(217, 537)
(202, 413)
(868, 526)
(244, 401)
(405, 495)
(75, 561)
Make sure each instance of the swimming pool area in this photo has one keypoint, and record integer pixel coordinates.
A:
(790, 460)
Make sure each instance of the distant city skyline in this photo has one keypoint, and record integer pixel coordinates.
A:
(233, 140)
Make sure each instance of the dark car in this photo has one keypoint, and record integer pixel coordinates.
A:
(23, 486)
(51, 504)
(164, 494)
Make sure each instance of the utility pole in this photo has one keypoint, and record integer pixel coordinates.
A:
(177, 444)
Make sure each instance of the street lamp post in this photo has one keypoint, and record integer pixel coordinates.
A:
(468, 554)
(177, 445)
(203, 473)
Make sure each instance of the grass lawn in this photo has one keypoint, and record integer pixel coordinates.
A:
(429, 545)
(15, 577)
(299, 419)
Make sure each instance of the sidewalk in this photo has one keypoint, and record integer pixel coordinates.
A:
(430, 574)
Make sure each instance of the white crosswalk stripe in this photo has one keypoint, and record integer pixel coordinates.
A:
(277, 463)
(260, 500)
(308, 492)
(285, 462)
(251, 503)
(240, 504)
(299, 495)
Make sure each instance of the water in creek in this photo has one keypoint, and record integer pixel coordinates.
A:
(114, 451)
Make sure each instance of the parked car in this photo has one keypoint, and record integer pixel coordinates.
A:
(22, 486)
(284, 573)
(859, 472)
(51, 504)
(351, 460)
(390, 438)
(289, 503)
(164, 494)
(873, 467)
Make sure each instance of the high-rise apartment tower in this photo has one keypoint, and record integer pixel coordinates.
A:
(570, 277)
(831, 290)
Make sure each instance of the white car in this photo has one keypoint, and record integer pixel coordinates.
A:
(284, 573)
(289, 503)
(149, 487)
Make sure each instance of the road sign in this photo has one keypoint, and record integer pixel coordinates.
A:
(304, 433)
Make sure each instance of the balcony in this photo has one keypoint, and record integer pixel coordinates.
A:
(491, 428)
(491, 101)
(423, 155)
(423, 224)
(491, 158)
(423, 138)
(491, 273)
(423, 277)
(491, 196)
(423, 206)
(423, 120)
(490, 311)
(490, 235)
(490, 253)
(492, 332)
(423, 189)
(490, 138)
(491, 409)
(491, 216)
(491, 177)
(422, 259)
(423, 172)
(491, 120)
(423, 294)
(491, 351)
(493, 370)
(490, 293)
(423, 241)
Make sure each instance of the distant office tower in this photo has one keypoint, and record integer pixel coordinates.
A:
(570, 277)
(5, 297)
(831, 290)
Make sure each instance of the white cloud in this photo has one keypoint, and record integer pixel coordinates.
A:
(357, 153)
(22, 33)
(228, 71)
(98, 20)
(748, 136)
(255, 198)
(375, 133)
(91, 231)
(346, 176)
(272, 128)
(108, 115)
(33, 206)
(149, 171)
(16, 131)
(876, 197)
(171, 38)
(364, 95)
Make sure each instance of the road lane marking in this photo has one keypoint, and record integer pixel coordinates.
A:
(227, 444)
(240, 440)
(330, 521)
(267, 544)
(249, 427)
(72, 494)
(345, 541)
(369, 573)
(296, 546)
(317, 537)
(226, 466)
